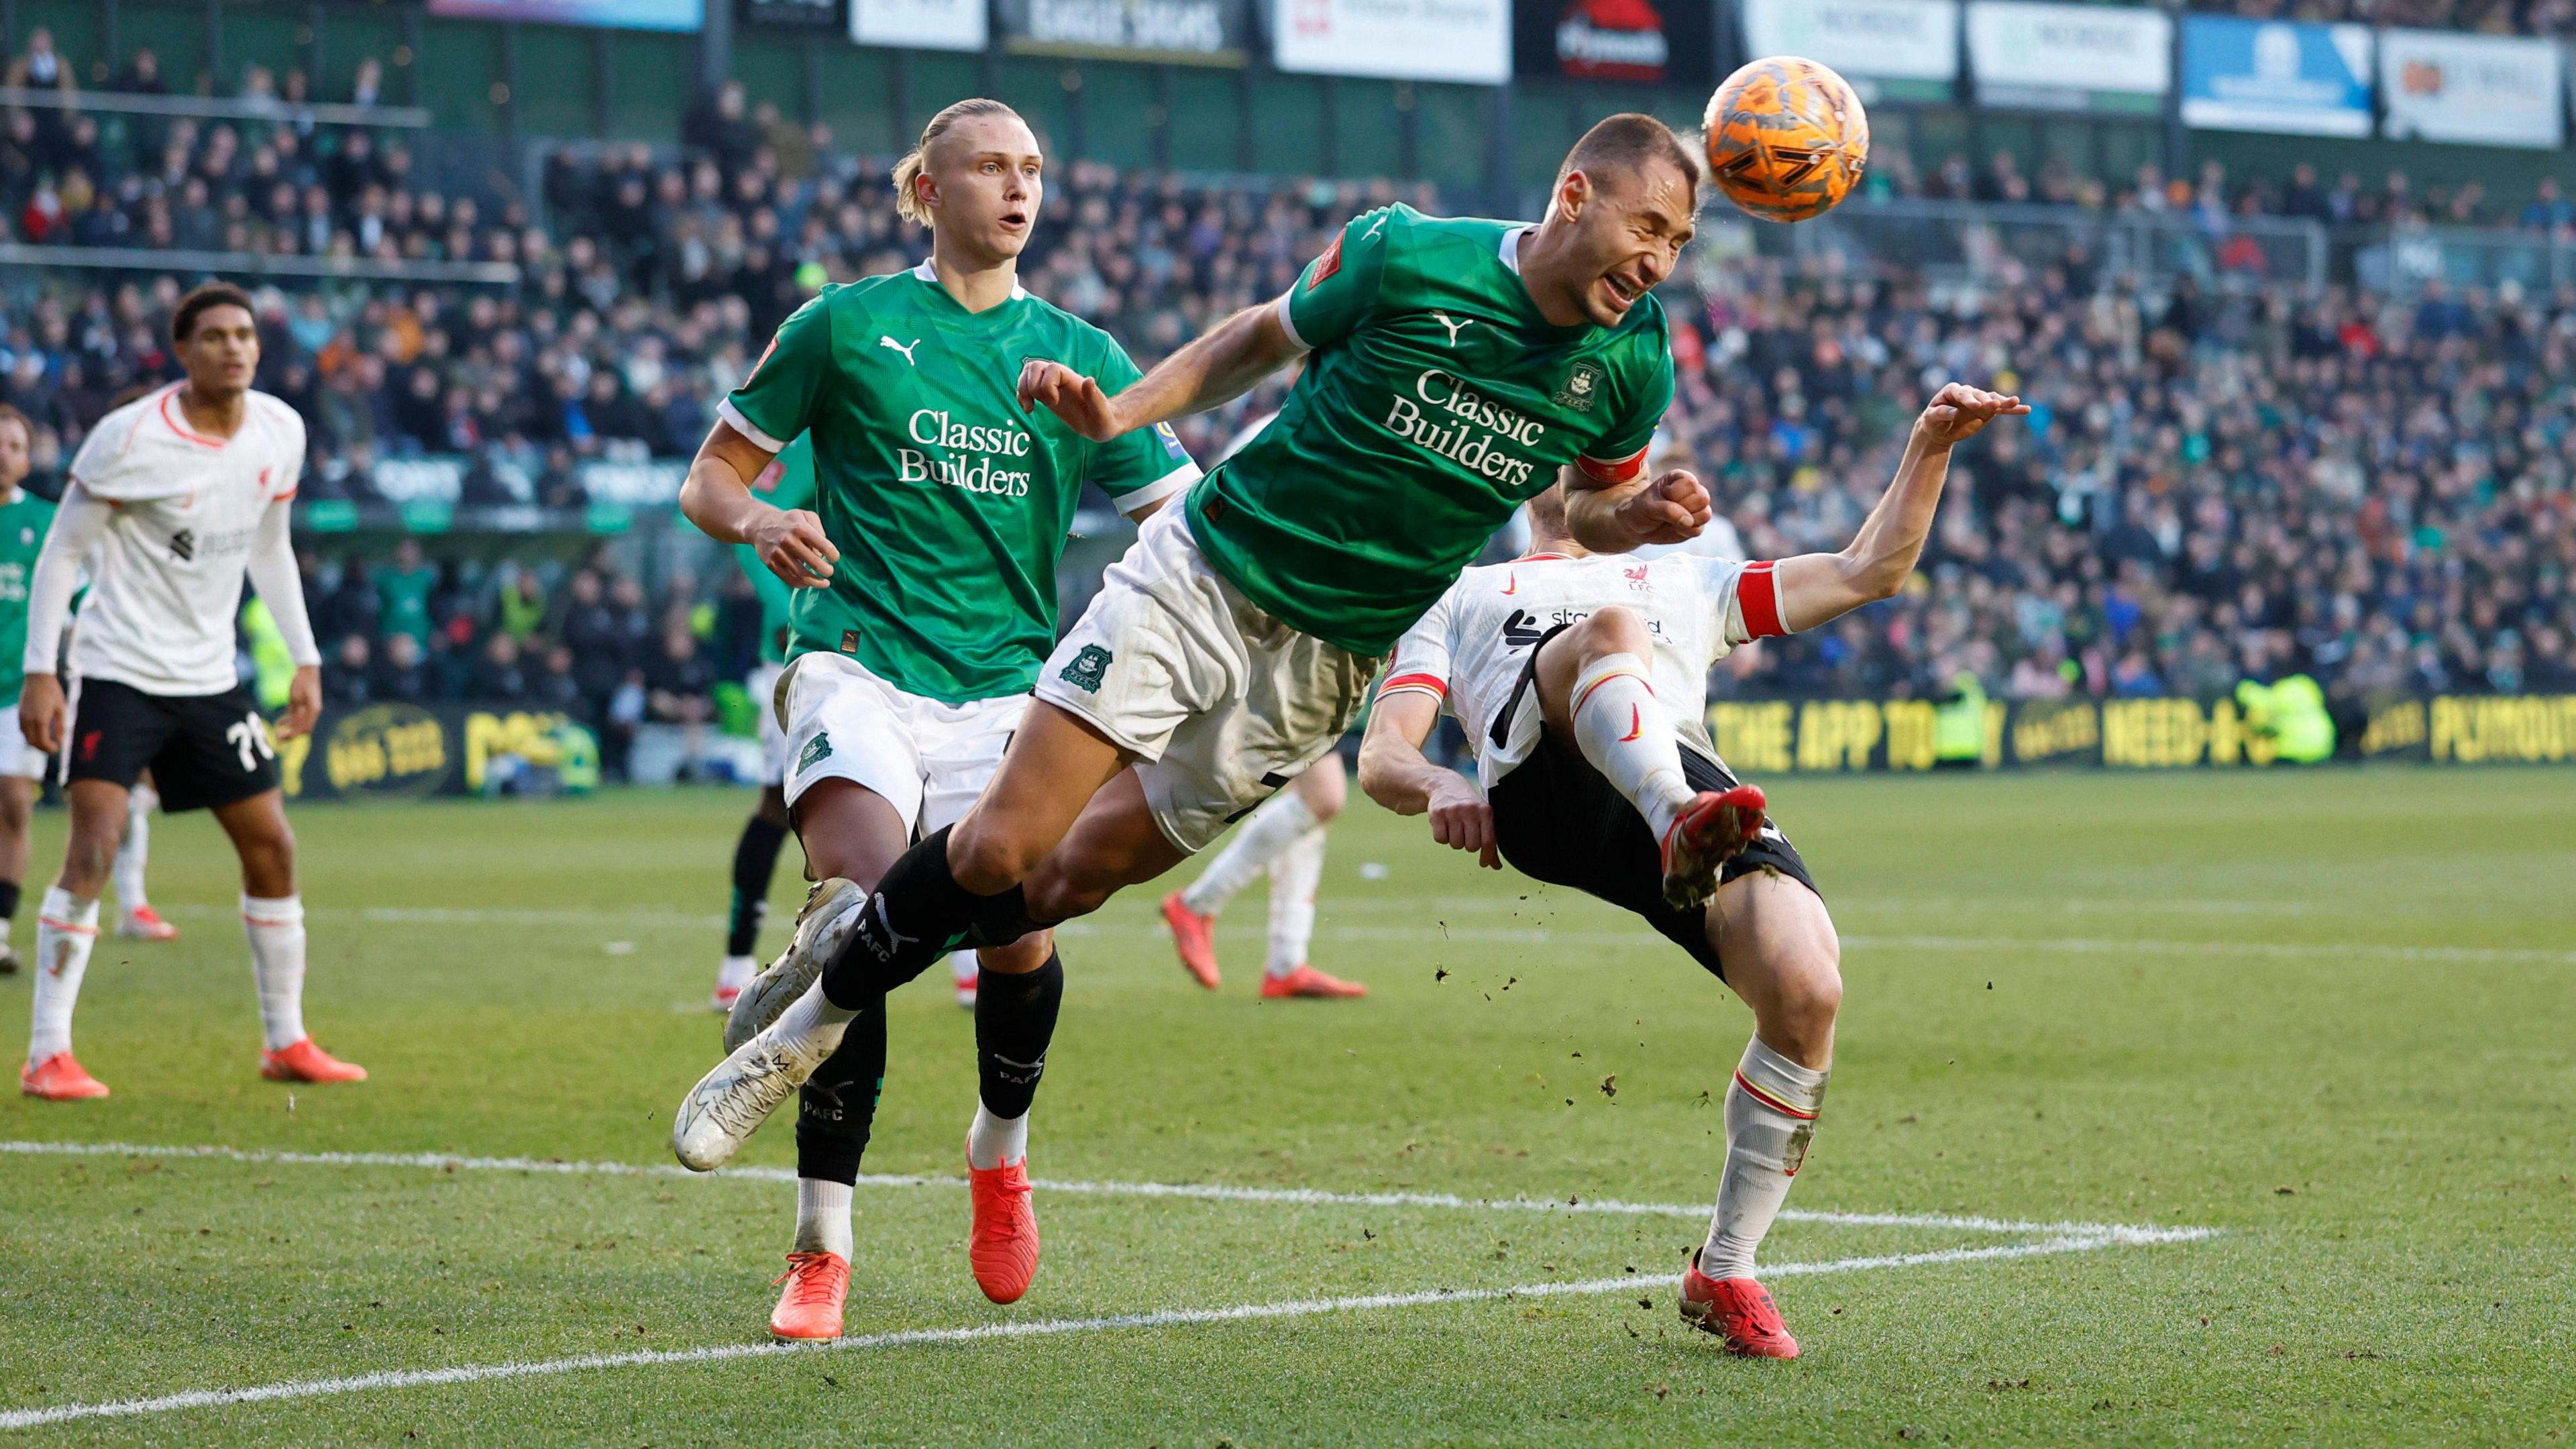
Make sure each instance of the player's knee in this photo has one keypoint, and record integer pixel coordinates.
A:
(988, 857)
(1617, 629)
(1324, 790)
(1020, 957)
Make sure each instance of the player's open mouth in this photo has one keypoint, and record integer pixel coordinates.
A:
(1015, 220)
(1622, 291)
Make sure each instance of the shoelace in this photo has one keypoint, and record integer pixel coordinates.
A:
(740, 1112)
(811, 1275)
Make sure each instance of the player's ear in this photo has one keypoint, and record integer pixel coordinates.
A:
(1572, 193)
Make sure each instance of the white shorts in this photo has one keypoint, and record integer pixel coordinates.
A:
(17, 762)
(1221, 702)
(929, 760)
(762, 686)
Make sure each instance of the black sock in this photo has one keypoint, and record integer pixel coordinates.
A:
(918, 914)
(1014, 1021)
(837, 1106)
(8, 900)
(755, 860)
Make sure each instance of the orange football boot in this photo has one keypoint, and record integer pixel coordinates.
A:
(302, 1061)
(145, 923)
(1738, 1310)
(1194, 936)
(58, 1078)
(1309, 982)
(1712, 830)
(817, 1285)
(1002, 1247)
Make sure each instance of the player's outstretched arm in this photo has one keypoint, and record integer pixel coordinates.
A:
(1816, 588)
(78, 525)
(717, 498)
(1217, 367)
(1395, 773)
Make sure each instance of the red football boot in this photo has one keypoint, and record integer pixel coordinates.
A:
(302, 1061)
(58, 1078)
(1194, 936)
(1709, 832)
(817, 1285)
(1738, 1310)
(1002, 1247)
(145, 923)
(1308, 982)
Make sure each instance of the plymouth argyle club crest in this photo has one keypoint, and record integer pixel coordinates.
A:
(1087, 669)
(1582, 386)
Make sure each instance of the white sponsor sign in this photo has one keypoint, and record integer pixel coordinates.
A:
(1888, 39)
(919, 24)
(2489, 90)
(1468, 41)
(2032, 54)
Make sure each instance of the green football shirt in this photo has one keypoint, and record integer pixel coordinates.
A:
(1435, 401)
(792, 488)
(948, 503)
(23, 522)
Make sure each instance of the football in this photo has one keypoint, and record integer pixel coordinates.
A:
(1786, 138)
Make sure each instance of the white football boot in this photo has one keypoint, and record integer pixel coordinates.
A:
(729, 1104)
(831, 909)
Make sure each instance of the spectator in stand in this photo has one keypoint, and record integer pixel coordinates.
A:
(349, 677)
(403, 589)
(556, 686)
(502, 676)
(402, 675)
(680, 689)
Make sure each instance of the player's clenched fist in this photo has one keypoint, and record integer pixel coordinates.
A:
(1957, 411)
(1671, 509)
(791, 544)
(1461, 820)
(1071, 396)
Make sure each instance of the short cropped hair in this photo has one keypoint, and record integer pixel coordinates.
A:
(202, 299)
(9, 414)
(1626, 144)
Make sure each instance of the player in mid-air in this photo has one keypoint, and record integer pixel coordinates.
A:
(1453, 370)
(924, 604)
(181, 493)
(1581, 681)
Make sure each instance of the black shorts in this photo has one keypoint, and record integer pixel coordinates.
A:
(203, 750)
(1558, 821)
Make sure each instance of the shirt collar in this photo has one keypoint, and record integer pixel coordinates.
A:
(930, 274)
(1511, 248)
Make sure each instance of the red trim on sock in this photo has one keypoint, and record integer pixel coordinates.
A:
(1758, 595)
(67, 926)
(1605, 679)
(1774, 1103)
(264, 921)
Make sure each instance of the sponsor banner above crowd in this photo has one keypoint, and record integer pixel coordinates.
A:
(2275, 75)
(2488, 90)
(920, 24)
(1901, 50)
(1836, 735)
(1647, 42)
(1192, 32)
(2109, 58)
(608, 14)
(1465, 41)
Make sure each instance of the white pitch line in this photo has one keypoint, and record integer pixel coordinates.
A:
(390, 1379)
(1500, 935)
(1573, 1204)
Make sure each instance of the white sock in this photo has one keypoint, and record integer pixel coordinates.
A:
(1623, 732)
(822, 1217)
(996, 1141)
(127, 872)
(1277, 825)
(1293, 879)
(66, 928)
(736, 972)
(1770, 1113)
(811, 1015)
(276, 931)
(962, 968)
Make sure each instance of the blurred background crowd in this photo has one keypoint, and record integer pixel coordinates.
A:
(2218, 482)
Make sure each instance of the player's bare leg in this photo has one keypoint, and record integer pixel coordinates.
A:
(135, 917)
(755, 863)
(273, 919)
(17, 806)
(1783, 958)
(1596, 691)
(66, 929)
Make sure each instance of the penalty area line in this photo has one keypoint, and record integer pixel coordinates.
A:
(1200, 1191)
(394, 1379)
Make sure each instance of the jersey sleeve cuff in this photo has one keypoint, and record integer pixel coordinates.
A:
(733, 417)
(1415, 683)
(1158, 490)
(1288, 321)
(1757, 598)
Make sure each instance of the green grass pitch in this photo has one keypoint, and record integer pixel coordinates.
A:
(2330, 1017)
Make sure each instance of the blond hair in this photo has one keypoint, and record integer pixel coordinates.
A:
(907, 172)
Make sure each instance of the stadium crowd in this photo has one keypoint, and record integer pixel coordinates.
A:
(2216, 485)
